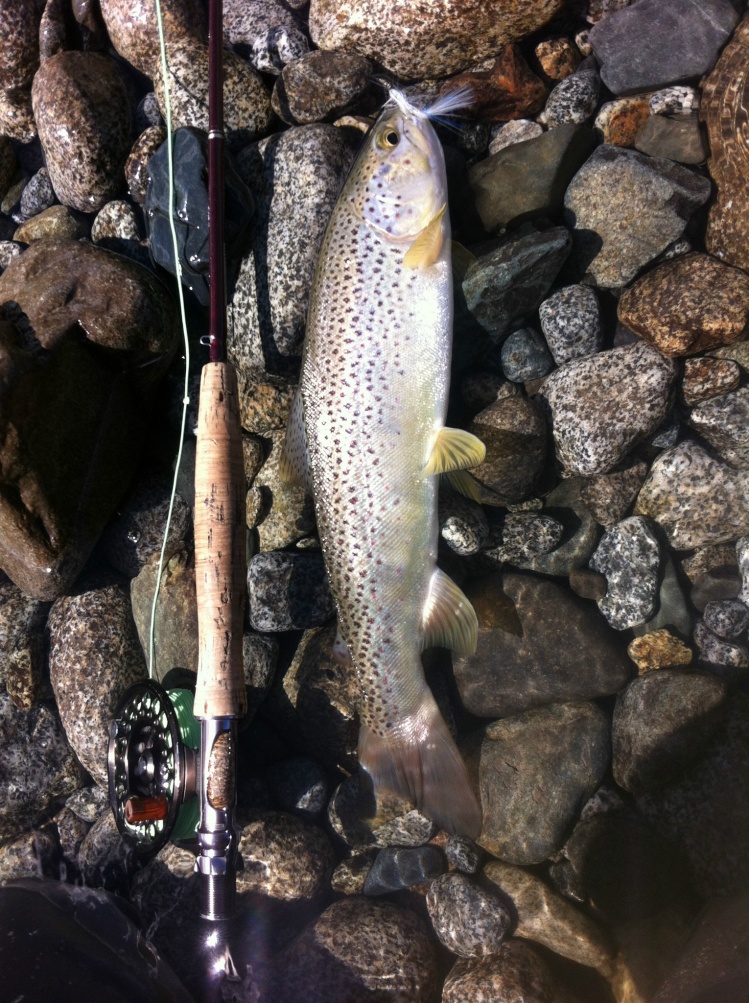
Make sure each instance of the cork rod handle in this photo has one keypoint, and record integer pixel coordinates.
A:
(220, 542)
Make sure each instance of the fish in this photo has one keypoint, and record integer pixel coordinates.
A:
(367, 435)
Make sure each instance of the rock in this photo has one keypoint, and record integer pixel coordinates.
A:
(514, 434)
(610, 496)
(22, 648)
(580, 531)
(696, 499)
(359, 949)
(293, 175)
(672, 609)
(83, 115)
(658, 649)
(629, 556)
(705, 378)
(287, 512)
(463, 525)
(558, 57)
(536, 770)
(659, 42)
(107, 328)
(57, 221)
(38, 194)
(526, 356)
(726, 659)
(662, 721)
(524, 537)
(395, 868)
(574, 99)
(118, 228)
(299, 786)
(469, 921)
(88, 803)
(742, 559)
(320, 85)
(135, 36)
(722, 107)
(504, 88)
(515, 131)
(680, 139)
(727, 618)
(612, 243)
(105, 859)
(350, 875)
(528, 177)
(19, 59)
(462, 854)
(37, 765)
(433, 42)
(580, 396)
(515, 972)
(723, 423)
(288, 591)
(94, 656)
(571, 322)
(479, 390)
(396, 822)
(71, 831)
(175, 620)
(548, 919)
(618, 121)
(284, 858)
(675, 101)
(136, 165)
(9, 249)
(521, 663)
(268, 31)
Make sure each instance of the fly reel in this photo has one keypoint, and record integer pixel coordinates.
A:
(152, 765)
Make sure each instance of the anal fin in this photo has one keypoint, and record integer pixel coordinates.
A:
(449, 619)
(454, 449)
(427, 247)
(293, 467)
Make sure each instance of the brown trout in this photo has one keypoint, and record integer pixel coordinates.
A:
(367, 433)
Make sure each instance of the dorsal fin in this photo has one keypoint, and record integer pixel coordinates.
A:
(449, 620)
(427, 247)
(454, 449)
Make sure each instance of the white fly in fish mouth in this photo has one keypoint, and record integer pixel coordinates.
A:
(367, 434)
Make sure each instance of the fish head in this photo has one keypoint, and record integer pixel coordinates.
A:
(398, 184)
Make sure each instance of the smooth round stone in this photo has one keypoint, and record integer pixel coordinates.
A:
(678, 100)
(629, 556)
(264, 401)
(38, 194)
(723, 422)
(320, 85)
(557, 57)
(57, 221)
(287, 513)
(662, 721)
(395, 868)
(571, 322)
(284, 858)
(22, 624)
(116, 221)
(19, 59)
(526, 356)
(658, 649)
(705, 378)
(83, 114)
(277, 48)
(267, 30)
(88, 803)
(588, 584)
(299, 786)
(397, 823)
(619, 120)
(288, 591)
(610, 496)
(573, 101)
(136, 165)
(463, 525)
(727, 659)
(462, 854)
(133, 28)
(350, 875)
(516, 131)
(148, 114)
(469, 921)
(515, 972)
(681, 139)
(514, 433)
(479, 390)
(579, 526)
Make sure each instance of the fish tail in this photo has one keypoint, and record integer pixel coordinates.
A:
(424, 765)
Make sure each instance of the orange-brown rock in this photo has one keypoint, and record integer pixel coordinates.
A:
(688, 305)
(506, 89)
(705, 378)
(620, 120)
(558, 58)
(660, 649)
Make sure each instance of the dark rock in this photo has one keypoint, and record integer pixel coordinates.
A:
(284, 858)
(514, 433)
(22, 650)
(659, 42)
(260, 656)
(680, 139)
(148, 114)
(515, 972)
(88, 803)
(71, 831)
(629, 556)
(319, 86)
(536, 771)
(610, 496)
(723, 422)
(526, 356)
(727, 659)
(19, 59)
(105, 859)
(396, 823)
(580, 531)
(571, 322)
(469, 921)
(395, 868)
(288, 591)
(350, 875)
(728, 618)
(573, 101)
(299, 786)
(672, 607)
(504, 89)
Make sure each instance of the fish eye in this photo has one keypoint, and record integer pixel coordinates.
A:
(388, 139)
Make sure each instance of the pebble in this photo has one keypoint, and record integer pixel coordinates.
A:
(671, 43)
(526, 356)
(574, 99)
(525, 536)
(727, 659)
(57, 221)
(658, 649)
(9, 249)
(697, 499)
(514, 433)
(516, 131)
(579, 398)
(37, 765)
(88, 803)
(535, 770)
(83, 115)
(287, 512)
(264, 401)
(277, 48)
(175, 621)
(320, 85)
(117, 227)
(292, 175)
(19, 59)
(738, 352)
(136, 165)
(462, 854)
(629, 556)
(672, 607)
(515, 972)
(661, 723)
(558, 57)
(680, 139)
(571, 323)
(359, 949)
(38, 194)
(463, 525)
(22, 649)
(610, 496)
(678, 100)
(742, 557)
(284, 858)
(723, 422)
(619, 120)
(611, 242)
(288, 591)
(527, 177)
(425, 42)
(469, 921)
(136, 38)
(705, 378)
(502, 88)
(580, 528)
(148, 114)
(351, 874)
(34, 854)
(299, 786)
(395, 868)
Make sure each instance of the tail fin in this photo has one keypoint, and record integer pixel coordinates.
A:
(423, 763)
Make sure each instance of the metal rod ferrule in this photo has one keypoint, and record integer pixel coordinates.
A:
(217, 835)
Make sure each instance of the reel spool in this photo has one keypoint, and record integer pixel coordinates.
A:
(152, 766)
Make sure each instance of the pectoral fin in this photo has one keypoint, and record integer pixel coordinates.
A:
(449, 620)
(293, 467)
(428, 245)
(454, 449)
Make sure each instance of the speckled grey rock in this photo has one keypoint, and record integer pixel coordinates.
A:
(397, 824)
(19, 58)
(71, 831)
(136, 165)
(727, 659)
(36, 764)
(462, 854)
(581, 531)
(727, 618)
(571, 322)
(118, 228)
(676, 100)
(742, 558)
(723, 422)
(515, 972)
(286, 513)
(610, 496)
(526, 356)
(136, 38)
(463, 525)
(288, 591)
(580, 395)
(469, 921)
(22, 651)
(292, 175)
(88, 803)
(612, 243)
(299, 786)
(695, 498)
(705, 378)
(9, 249)
(83, 115)
(105, 859)
(320, 86)
(359, 949)
(509, 133)
(536, 770)
(548, 919)
(267, 30)
(681, 139)
(94, 656)
(658, 42)
(33, 854)
(284, 858)
(175, 624)
(277, 48)
(574, 99)
(629, 556)
(514, 434)
(525, 536)
(38, 194)
(662, 721)
(398, 867)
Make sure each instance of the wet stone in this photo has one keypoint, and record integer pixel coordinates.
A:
(71, 831)
(136, 165)
(514, 433)
(104, 858)
(480, 390)
(526, 536)
(658, 649)
(516, 131)
(9, 249)
(629, 556)
(284, 858)
(610, 496)
(288, 591)
(395, 868)
(723, 422)
(573, 101)
(611, 242)
(515, 972)
(117, 226)
(264, 401)
(672, 607)
(705, 378)
(277, 48)
(580, 531)
(463, 525)
(462, 854)
(136, 39)
(175, 622)
(34, 854)
(662, 721)
(729, 660)
(469, 921)
(351, 874)
(680, 139)
(299, 786)
(526, 356)
(742, 558)
(57, 221)
(536, 770)
(677, 100)
(22, 648)
(287, 513)
(571, 322)
(19, 58)
(88, 803)
(320, 85)
(38, 194)
(619, 120)
(557, 57)
(148, 114)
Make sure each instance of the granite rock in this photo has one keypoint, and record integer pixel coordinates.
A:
(284, 858)
(463, 525)
(33, 854)
(723, 422)
(136, 165)
(610, 496)
(57, 221)
(267, 31)
(320, 86)
(571, 323)
(515, 972)
(299, 786)
(676, 100)
(705, 378)
(287, 513)
(462, 854)
(629, 556)
(38, 194)
(175, 623)
(727, 659)
(526, 356)
(288, 591)
(558, 57)
(574, 99)
(618, 121)
(727, 618)
(524, 537)
(19, 59)
(350, 875)
(514, 433)
(133, 30)
(515, 131)
(22, 647)
(469, 921)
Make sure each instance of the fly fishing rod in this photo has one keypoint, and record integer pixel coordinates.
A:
(163, 771)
